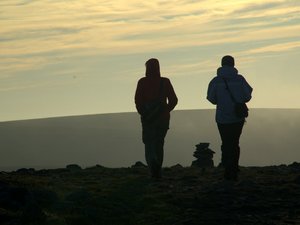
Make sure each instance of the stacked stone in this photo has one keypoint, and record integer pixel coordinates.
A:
(204, 156)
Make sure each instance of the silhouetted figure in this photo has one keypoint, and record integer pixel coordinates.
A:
(226, 90)
(155, 123)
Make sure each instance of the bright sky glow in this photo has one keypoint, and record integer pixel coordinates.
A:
(84, 57)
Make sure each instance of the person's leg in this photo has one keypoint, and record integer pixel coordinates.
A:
(224, 134)
(236, 134)
(230, 134)
(160, 140)
(149, 139)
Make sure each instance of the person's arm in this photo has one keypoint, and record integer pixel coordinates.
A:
(172, 98)
(211, 93)
(247, 89)
(138, 98)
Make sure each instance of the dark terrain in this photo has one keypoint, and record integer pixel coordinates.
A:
(185, 195)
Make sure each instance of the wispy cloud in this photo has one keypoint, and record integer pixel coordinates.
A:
(259, 6)
(20, 64)
(36, 29)
(185, 69)
(282, 47)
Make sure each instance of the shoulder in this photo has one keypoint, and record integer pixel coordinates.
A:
(142, 81)
(166, 80)
(215, 80)
(241, 78)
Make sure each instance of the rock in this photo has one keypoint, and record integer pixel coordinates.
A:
(99, 166)
(177, 166)
(204, 156)
(73, 167)
(96, 167)
(43, 172)
(202, 145)
(59, 171)
(26, 171)
(139, 164)
(295, 166)
(201, 154)
(203, 163)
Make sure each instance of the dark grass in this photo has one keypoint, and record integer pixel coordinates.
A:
(263, 195)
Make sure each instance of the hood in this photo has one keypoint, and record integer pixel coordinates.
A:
(227, 71)
(152, 68)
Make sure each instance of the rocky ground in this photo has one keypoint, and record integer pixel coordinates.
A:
(98, 195)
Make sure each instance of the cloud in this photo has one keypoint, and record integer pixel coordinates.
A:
(39, 33)
(257, 7)
(189, 68)
(120, 27)
(36, 84)
(282, 47)
(20, 64)
(25, 2)
(114, 23)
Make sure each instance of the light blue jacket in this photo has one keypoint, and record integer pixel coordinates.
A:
(218, 95)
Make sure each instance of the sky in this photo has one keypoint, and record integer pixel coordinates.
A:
(74, 57)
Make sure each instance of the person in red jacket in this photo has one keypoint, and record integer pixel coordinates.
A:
(148, 89)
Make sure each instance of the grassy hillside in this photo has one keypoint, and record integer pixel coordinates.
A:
(270, 137)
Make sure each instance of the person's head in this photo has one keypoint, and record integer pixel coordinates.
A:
(152, 67)
(227, 60)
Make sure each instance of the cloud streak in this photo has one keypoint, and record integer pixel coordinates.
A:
(282, 47)
(37, 34)
(109, 26)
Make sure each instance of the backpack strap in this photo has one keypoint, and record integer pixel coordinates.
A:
(227, 88)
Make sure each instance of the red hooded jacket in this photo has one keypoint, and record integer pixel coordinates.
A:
(148, 90)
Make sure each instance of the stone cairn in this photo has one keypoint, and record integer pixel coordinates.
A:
(204, 156)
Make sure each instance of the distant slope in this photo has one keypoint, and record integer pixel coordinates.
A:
(270, 137)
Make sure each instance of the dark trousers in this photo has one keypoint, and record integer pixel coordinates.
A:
(230, 135)
(154, 137)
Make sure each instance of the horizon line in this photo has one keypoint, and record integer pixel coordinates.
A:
(126, 112)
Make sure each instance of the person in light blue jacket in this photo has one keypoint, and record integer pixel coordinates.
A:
(229, 124)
